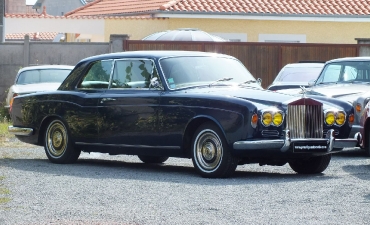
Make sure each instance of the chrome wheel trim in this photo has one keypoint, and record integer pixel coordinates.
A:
(56, 139)
(208, 151)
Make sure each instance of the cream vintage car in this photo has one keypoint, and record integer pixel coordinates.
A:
(37, 78)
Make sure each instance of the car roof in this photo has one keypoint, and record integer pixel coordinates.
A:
(45, 67)
(152, 54)
(361, 58)
(298, 65)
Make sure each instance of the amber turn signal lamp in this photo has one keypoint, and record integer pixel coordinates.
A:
(254, 120)
(351, 118)
(358, 107)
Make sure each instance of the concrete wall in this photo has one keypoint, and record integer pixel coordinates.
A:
(14, 56)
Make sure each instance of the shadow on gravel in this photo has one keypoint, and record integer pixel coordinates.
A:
(360, 171)
(101, 169)
(352, 153)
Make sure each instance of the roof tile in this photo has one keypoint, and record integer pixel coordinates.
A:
(35, 36)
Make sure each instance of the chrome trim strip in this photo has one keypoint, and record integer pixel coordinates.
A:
(124, 145)
(21, 131)
(284, 144)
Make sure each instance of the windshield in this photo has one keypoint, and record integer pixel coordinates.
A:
(43, 76)
(298, 74)
(183, 72)
(345, 72)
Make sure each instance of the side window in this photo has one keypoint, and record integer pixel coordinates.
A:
(133, 74)
(330, 74)
(98, 75)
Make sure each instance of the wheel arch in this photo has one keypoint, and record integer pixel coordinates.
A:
(192, 126)
(44, 124)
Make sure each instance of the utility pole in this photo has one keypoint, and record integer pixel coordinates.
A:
(2, 14)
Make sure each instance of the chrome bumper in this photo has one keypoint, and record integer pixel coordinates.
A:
(20, 131)
(285, 144)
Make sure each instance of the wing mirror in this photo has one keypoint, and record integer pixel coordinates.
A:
(155, 83)
(311, 83)
(259, 81)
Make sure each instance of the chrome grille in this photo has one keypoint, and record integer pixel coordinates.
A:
(305, 121)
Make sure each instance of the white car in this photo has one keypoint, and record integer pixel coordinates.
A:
(37, 78)
(292, 76)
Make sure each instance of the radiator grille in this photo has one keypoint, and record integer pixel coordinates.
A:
(305, 121)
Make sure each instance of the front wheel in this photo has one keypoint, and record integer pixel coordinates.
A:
(58, 145)
(311, 165)
(211, 154)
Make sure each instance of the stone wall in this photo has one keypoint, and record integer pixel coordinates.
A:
(14, 56)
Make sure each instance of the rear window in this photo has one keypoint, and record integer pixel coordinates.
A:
(298, 74)
(42, 76)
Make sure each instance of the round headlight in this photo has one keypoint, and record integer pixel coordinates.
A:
(341, 118)
(329, 118)
(266, 118)
(277, 119)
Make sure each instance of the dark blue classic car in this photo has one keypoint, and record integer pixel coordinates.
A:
(203, 106)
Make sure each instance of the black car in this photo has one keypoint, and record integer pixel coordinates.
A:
(160, 104)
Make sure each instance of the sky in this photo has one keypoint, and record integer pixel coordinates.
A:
(30, 2)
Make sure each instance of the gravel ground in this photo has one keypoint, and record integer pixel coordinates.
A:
(103, 189)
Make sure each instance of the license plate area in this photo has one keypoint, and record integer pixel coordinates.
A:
(305, 147)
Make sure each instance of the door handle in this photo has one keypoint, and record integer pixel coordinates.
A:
(107, 100)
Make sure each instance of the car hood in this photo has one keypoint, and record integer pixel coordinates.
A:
(347, 92)
(31, 88)
(262, 98)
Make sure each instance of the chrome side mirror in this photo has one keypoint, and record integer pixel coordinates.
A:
(155, 83)
(259, 81)
(311, 83)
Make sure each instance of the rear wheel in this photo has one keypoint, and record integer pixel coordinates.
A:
(58, 146)
(311, 165)
(210, 153)
(152, 159)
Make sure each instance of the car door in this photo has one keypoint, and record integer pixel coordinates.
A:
(129, 108)
(83, 116)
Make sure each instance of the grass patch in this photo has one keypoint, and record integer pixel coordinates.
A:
(4, 200)
(4, 129)
(4, 191)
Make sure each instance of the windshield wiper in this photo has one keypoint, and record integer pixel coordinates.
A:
(248, 82)
(219, 80)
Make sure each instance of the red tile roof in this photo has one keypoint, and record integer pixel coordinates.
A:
(36, 36)
(297, 7)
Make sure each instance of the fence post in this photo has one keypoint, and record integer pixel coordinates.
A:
(364, 48)
(26, 51)
(116, 42)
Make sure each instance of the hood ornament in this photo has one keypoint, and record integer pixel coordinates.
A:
(304, 91)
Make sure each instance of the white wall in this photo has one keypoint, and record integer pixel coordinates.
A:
(92, 27)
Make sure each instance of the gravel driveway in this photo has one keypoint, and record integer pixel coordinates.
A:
(103, 189)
